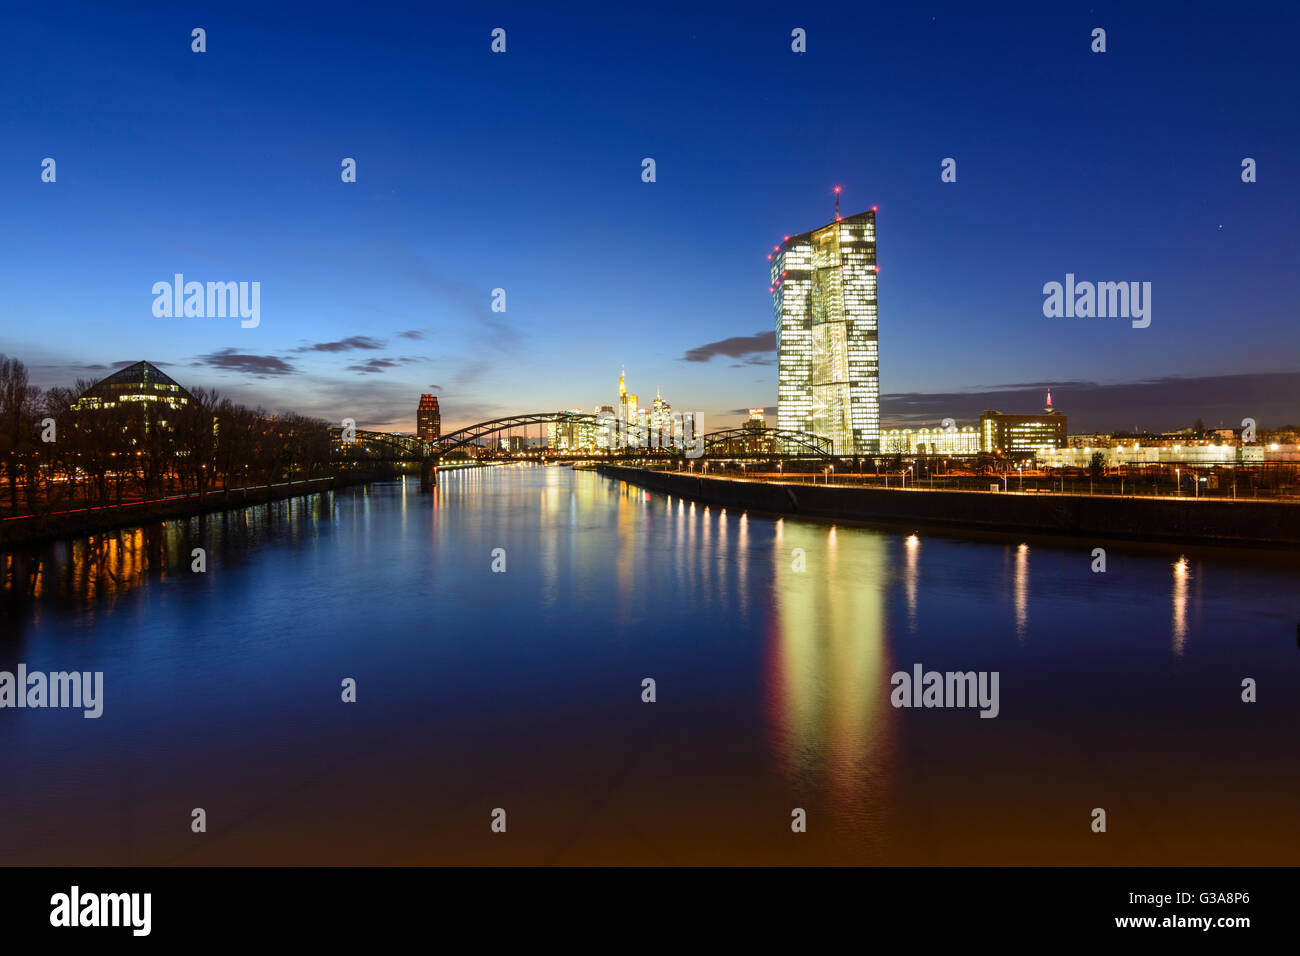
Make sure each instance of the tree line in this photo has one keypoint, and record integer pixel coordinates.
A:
(58, 457)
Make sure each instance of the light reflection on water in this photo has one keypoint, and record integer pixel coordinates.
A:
(1119, 689)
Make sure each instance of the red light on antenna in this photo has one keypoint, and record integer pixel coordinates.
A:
(873, 208)
(837, 188)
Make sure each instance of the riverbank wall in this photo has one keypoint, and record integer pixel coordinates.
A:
(1268, 523)
(31, 529)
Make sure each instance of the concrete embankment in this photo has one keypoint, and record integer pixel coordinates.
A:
(28, 529)
(1171, 519)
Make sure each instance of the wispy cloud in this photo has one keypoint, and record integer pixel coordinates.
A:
(473, 303)
(344, 345)
(753, 348)
(373, 365)
(380, 364)
(231, 361)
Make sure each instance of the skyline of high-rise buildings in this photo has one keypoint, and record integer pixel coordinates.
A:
(825, 308)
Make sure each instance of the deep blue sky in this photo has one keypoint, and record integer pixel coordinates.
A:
(522, 171)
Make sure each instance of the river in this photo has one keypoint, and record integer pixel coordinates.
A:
(771, 644)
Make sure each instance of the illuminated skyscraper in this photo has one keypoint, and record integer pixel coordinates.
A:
(428, 420)
(824, 299)
(660, 415)
(626, 401)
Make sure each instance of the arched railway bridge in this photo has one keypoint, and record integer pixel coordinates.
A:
(631, 440)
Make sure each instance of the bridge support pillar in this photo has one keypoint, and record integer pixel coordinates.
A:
(428, 474)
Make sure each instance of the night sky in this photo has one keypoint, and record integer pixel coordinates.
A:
(522, 171)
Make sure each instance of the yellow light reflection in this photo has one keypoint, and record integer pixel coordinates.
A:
(1020, 589)
(1181, 576)
(831, 724)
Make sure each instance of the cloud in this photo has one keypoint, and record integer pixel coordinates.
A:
(767, 410)
(752, 348)
(380, 364)
(468, 373)
(373, 365)
(472, 302)
(231, 361)
(344, 345)
(411, 334)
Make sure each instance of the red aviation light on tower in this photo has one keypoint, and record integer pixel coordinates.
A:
(838, 218)
(873, 208)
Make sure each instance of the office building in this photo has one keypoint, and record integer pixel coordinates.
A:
(964, 440)
(141, 387)
(1021, 435)
(661, 415)
(428, 419)
(824, 299)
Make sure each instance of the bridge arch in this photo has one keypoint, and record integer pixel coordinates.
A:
(472, 434)
(724, 443)
(376, 446)
(768, 443)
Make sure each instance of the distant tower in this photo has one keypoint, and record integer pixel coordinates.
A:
(1048, 407)
(659, 414)
(622, 369)
(428, 419)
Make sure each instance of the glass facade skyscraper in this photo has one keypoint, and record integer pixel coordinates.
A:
(824, 299)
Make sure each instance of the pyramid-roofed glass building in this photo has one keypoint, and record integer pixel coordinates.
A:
(141, 382)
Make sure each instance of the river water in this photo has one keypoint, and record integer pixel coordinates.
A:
(771, 644)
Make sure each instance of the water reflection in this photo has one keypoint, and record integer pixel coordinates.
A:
(830, 721)
(92, 574)
(774, 683)
(911, 554)
(1181, 575)
(1020, 587)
